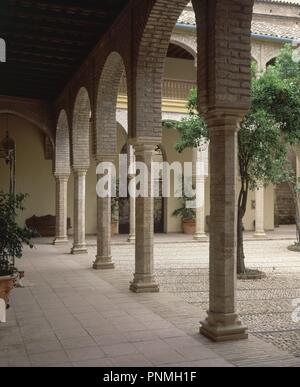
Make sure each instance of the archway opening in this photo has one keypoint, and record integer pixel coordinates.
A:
(33, 168)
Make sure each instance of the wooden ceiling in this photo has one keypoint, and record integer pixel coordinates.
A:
(179, 53)
(48, 40)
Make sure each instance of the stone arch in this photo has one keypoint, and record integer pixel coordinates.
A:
(62, 145)
(187, 42)
(253, 59)
(122, 137)
(151, 58)
(271, 62)
(269, 54)
(26, 117)
(122, 119)
(106, 105)
(81, 130)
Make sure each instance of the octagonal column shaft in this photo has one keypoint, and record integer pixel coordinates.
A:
(61, 233)
(222, 322)
(131, 161)
(79, 244)
(104, 218)
(199, 168)
(260, 212)
(144, 281)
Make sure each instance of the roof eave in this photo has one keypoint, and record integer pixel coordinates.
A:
(279, 39)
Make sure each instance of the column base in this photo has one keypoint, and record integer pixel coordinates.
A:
(200, 237)
(260, 234)
(131, 238)
(77, 250)
(220, 327)
(144, 284)
(60, 241)
(103, 263)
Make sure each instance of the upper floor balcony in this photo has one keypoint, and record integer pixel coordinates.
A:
(172, 89)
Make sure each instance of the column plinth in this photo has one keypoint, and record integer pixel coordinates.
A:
(60, 241)
(103, 263)
(223, 327)
(143, 283)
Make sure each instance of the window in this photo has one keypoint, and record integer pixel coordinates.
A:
(2, 50)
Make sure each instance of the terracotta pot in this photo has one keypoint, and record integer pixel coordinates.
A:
(114, 228)
(189, 226)
(6, 285)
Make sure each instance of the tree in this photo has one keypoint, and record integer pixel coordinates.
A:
(192, 129)
(261, 156)
(278, 93)
(262, 147)
(12, 236)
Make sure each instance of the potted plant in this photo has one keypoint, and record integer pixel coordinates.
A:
(188, 217)
(12, 238)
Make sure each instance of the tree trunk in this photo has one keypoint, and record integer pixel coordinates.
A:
(242, 206)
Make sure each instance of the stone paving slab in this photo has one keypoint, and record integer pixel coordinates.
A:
(70, 315)
(67, 315)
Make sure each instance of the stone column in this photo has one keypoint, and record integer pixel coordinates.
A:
(144, 281)
(260, 212)
(61, 233)
(296, 149)
(104, 256)
(79, 244)
(222, 322)
(131, 160)
(198, 160)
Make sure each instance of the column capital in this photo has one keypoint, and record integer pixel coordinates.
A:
(146, 144)
(224, 119)
(131, 141)
(62, 176)
(80, 171)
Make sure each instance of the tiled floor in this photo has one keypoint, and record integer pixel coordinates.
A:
(70, 315)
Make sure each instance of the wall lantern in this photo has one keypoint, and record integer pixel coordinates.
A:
(8, 153)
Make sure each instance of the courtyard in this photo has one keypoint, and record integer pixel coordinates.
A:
(69, 315)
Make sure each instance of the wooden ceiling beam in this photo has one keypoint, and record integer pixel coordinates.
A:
(68, 20)
(49, 28)
(50, 38)
(54, 56)
(98, 9)
(22, 44)
(41, 62)
(34, 69)
(27, 73)
(47, 40)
